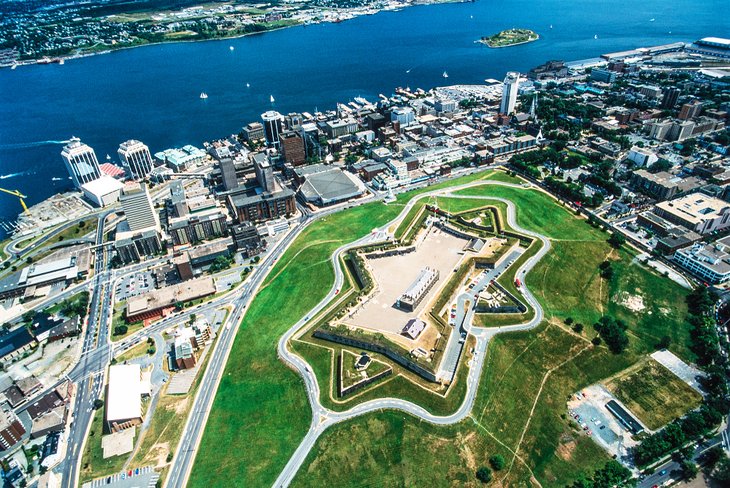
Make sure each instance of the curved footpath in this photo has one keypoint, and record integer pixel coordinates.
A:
(322, 417)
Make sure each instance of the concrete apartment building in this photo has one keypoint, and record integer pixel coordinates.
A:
(662, 185)
(709, 262)
(698, 212)
(125, 390)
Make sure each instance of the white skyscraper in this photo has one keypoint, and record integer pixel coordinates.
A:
(138, 207)
(81, 162)
(509, 93)
(273, 122)
(136, 158)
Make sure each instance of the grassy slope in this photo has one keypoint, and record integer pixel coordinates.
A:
(654, 394)
(93, 463)
(517, 365)
(260, 412)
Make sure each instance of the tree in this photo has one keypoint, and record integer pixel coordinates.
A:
(497, 462)
(607, 273)
(29, 316)
(722, 470)
(689, 469)
(616, 240)
(613, 332)
(664, 342)
(596, 341)
(578, 328)
(98, 403)
(120, 329)
(568, 320)
(484, 474)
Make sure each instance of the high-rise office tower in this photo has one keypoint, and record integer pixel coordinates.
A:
(670, 97)
(264, 172)
(81, 162)
(136, 158)
(509, 93)
(273, 121)
(690, 110)
(292, 148)
(138, 207)
(228, 172)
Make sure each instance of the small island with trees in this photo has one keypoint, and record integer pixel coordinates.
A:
(510, 37)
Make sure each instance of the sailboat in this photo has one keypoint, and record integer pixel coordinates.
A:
(271, 98)
(551, 26)
(203, 95)
(445, 75)
(595, 36)
(248, 85)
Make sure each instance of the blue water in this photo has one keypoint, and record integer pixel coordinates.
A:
(151, 93)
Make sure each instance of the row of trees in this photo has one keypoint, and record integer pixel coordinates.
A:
(613, 474)
(700, 304)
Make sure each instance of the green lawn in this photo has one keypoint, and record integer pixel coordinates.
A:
(654, 394)
(539, 212)
(93, 464)
(260, 413)
(258, 394)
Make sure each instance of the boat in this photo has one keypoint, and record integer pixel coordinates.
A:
(56, 179)
(203, 95)
(62, 61)
(408, 71)
(445, 75)
(551, 26)
(15, 65)
(271, 98)
(652, 19)
(595, 36)
(231, 48)
(248, 85)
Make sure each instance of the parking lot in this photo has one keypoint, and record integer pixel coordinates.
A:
(134, 285)
(588, 409)
(133, 478)
(684, 371)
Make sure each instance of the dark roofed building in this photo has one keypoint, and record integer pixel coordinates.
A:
(15, 343)
(413, 328)
(264, 206)
(624, 417)
(329, 186)
(246, 238)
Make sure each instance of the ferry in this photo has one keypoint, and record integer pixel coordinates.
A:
(203, 95)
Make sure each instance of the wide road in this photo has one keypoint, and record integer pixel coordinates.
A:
(88, 374)
(322, 418)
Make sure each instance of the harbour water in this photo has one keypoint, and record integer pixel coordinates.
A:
(152, 93)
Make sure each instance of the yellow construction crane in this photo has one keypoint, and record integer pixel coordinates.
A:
(20, 196)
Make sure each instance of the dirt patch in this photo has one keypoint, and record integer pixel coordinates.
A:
(635, 303)
(566, 448)
(180, 406)
(157, 455)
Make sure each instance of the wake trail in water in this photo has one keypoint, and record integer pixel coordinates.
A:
(11, 175)
(25, 145)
